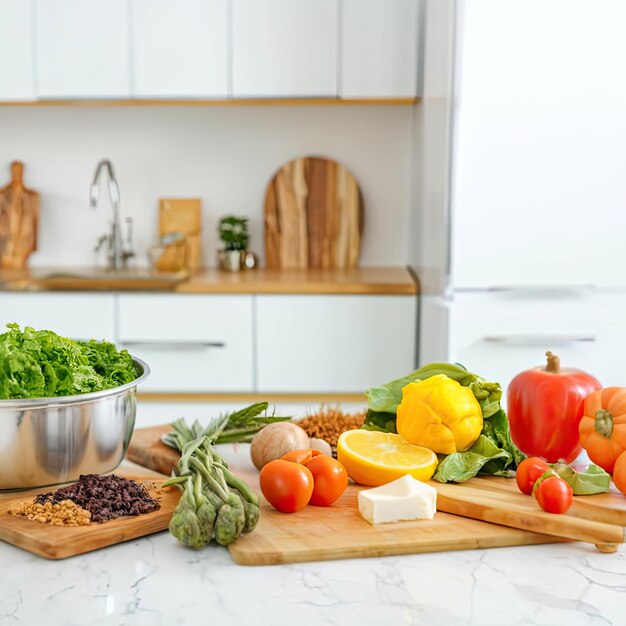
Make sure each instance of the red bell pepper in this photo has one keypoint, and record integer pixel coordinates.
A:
(545, 405)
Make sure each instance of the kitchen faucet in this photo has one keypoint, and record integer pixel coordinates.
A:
(117, 253)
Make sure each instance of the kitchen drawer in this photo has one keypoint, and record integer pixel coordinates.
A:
(497, 335)
(192, 343)
(76, 315)
(333, 343)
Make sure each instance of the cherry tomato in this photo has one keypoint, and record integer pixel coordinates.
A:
(554, 495)
(301, 456)
(330, 479)
(528, 472)
(287, 486)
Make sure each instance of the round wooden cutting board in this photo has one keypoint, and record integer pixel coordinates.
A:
(313, 216)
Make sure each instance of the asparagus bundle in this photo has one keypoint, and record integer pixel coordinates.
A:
(215, 503)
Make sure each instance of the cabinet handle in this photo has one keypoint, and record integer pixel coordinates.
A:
(174, 345)
(542, 290)
(539, 340)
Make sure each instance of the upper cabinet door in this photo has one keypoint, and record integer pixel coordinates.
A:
(539, 196)
(380, 48)
(179, 48)
(83, 48)
(16, 60)
(284, 48)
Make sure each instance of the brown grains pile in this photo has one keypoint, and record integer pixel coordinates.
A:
(65, 513)
(328, 423)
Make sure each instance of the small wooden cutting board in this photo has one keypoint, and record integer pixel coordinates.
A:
(313, 216)
(598, 519)
(58, 542)
(338, 531)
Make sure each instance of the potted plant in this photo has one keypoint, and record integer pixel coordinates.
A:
(234, 235)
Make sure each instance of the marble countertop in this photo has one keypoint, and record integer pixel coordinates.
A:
(156, 581)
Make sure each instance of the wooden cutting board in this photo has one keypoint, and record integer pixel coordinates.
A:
(313, 216)
(57, 542)
(338, 531)
(184, 216)
(19, 220)
(598, 519)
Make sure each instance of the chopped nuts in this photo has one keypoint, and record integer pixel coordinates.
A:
(65, 513)
(328, 423)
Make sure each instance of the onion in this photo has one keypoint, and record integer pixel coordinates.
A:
(276, 440)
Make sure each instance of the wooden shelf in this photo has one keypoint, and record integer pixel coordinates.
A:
(243, 398)
(361, 280)
(216, 102)
(357, 281)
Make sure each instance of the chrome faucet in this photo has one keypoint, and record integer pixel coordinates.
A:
(118, 253)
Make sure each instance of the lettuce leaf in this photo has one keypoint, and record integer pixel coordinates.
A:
(41, 364)
(586, 482)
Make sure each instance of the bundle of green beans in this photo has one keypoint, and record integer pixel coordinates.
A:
(215, 503)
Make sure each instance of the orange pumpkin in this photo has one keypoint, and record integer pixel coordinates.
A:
(603, 426)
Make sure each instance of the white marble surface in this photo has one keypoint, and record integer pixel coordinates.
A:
(155, 581)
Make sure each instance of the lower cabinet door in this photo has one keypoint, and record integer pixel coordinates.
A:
(331, 344)
(498, 335)
(75, 315)
(192, 343)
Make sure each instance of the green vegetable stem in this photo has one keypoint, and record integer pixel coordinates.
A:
(215, 503)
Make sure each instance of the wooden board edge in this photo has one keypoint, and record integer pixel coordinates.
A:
(211, 102)
(242, 557)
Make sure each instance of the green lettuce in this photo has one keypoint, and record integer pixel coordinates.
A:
(41, 364)
(493, 453)
(587, 482)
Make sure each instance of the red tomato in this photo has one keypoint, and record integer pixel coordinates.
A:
(286, 486)
(545, 406)
(528, 471)
(329, 477)
(554, 495)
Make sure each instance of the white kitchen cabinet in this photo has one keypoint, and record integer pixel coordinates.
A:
(82, 48)
(499, 334)
(379, 48)
(179, 48)
(193, 343)
(331, 344)
(16, 45)
(76, 315)
(284, 48)
(538, 193)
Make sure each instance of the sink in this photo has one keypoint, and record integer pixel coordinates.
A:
(105, 280)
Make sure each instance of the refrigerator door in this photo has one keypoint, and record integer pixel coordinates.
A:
(497, 335)
(539, 150)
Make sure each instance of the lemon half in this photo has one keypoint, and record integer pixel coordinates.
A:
(374, 458)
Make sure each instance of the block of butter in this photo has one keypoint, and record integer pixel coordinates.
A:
(403, 499)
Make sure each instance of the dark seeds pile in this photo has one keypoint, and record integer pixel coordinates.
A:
(105, 497)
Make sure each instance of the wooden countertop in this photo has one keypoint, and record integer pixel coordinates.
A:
(363, 280)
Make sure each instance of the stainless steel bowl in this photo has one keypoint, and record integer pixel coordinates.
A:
(46, 441)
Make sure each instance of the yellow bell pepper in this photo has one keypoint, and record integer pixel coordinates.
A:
(440, 414)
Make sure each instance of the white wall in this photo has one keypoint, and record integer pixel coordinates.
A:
(225, 155)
